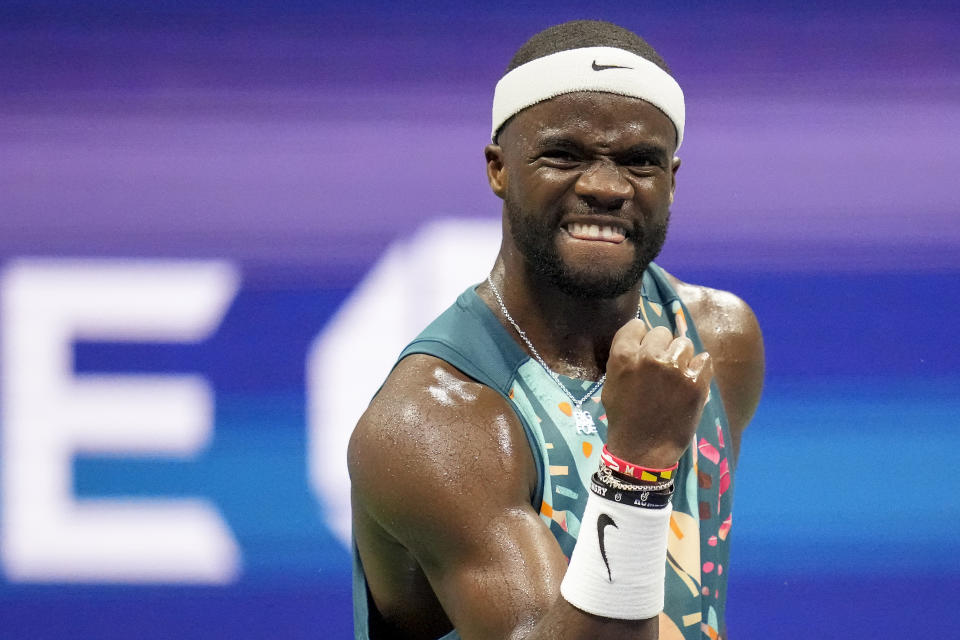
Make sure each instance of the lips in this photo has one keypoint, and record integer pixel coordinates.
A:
(597, 232)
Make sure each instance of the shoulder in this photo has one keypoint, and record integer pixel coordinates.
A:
(724, 321)
(431, 427)
(731, 334)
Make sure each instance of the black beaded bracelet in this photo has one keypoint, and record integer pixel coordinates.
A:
(644, 499)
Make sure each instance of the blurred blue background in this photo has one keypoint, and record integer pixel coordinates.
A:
(302, 143)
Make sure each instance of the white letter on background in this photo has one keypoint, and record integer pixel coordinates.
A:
(411, 284)
(49, 414)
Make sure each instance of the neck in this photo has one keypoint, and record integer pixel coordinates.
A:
(572, 334)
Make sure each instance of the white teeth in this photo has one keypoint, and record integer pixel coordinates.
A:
(595, 232)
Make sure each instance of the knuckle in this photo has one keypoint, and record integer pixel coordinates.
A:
(617, 359)
(624, 357)
(661, 331)
(625, 345)
(633, 329)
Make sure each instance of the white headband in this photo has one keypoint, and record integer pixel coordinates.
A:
(605, 69)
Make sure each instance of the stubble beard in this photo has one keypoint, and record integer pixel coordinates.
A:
(536, 239)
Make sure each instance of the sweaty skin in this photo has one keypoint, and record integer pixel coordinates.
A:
(442, 474)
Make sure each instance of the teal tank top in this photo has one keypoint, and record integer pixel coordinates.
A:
(471, 338)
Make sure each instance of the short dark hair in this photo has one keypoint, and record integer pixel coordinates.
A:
(578, 34)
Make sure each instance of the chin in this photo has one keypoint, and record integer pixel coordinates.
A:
(597, 284)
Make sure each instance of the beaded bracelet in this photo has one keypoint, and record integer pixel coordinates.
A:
(635, 471)
(644, 499)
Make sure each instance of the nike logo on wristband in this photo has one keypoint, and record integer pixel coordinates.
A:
(604, 521)
(602, 67)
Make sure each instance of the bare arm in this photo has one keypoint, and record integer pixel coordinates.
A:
(441, 471)
(440, 464)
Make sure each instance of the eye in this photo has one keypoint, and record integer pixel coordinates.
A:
(560, 158)
(643, 162)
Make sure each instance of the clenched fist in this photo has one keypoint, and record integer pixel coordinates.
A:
(654, 394)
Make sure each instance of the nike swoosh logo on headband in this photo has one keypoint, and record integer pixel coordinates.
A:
(601, 67)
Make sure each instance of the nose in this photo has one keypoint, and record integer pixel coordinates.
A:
(603, 186)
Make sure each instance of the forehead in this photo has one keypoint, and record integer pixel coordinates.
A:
(593, 117)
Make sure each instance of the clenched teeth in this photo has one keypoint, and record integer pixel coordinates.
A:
(596, 232)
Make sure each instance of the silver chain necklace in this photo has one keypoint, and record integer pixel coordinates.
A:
(581, 417)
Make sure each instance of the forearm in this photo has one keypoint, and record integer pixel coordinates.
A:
(563, 621)
(613, 586)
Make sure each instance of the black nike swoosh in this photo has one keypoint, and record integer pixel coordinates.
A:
(604, 521)
(601, 67)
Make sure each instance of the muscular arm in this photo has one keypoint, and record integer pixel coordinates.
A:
(442, 480)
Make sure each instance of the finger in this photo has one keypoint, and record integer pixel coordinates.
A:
(657, 340)
(631, 334)
(679, 352)
(700, 368)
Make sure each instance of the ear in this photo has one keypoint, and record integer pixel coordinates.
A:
(496, 173)
(675, 166)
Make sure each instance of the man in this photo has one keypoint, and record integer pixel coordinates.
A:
(480, 468)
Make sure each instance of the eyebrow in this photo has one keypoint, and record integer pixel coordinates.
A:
(645, 149)
(557, 141)
(560, 141)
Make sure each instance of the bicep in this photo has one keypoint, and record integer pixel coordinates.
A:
(449, 484)
(497, 573)
(491, 562)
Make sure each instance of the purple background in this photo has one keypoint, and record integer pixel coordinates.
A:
(300, 139)
(301, 135)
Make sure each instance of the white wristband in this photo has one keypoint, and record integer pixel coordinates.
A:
(618, 565)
